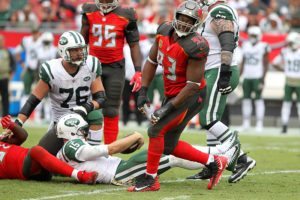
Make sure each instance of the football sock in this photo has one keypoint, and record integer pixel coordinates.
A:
(186, 151)
(211, 140)
(260, 110)
(246, 110)
(220, 131)
(285, 112)
(111, 129)
(155, 150)
(182, 163)
(50, 162)
(95, 136)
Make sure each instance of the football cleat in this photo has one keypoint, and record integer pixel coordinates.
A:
(145, 183)
(87, 177)
(203, 175)
(244, 165)
(234, 152)
(217, 167)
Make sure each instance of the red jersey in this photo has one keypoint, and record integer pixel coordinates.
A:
(107, 32)
(11, 161)
(173, 57)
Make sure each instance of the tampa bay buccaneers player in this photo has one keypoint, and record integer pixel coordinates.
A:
(105, 25)
(17, 162)
(182, 53)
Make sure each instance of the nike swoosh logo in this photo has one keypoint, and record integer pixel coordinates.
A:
(141, 188)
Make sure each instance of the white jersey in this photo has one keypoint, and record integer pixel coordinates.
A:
(31, 48)
(67, 91)
(253, 59)
(214, 56)
(291, 62)
(46, 53)
(105, 165)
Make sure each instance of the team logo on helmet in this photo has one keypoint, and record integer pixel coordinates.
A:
(63, 41)
(72, 122)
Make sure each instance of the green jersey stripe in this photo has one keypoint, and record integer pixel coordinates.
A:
(49, 70)
(94, 63)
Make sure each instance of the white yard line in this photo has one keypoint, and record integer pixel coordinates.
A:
(85, 193)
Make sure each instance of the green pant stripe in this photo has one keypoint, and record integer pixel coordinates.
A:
(139, 169)
(212, 100)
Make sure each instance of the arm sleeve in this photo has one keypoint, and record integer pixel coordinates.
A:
(88, 152)
(12, 62)
(131, 30)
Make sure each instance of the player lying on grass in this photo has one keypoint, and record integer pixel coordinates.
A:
(17, 162)
(111, 169)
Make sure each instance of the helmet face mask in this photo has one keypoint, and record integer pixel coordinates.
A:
(187, 19)
(71, 43)
(72, 126)
(106, 6)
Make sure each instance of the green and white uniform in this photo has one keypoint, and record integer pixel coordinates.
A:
(253, 56)
(113, 170)
(67, 91)
(291, 62)
(214, 107)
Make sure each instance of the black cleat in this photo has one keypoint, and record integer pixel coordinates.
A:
(206, 173)
(244, 165)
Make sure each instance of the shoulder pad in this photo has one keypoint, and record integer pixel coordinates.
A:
(195, 46)
(89, 8)
(164, 28)
(94, 65)
(45, 72)
(127, 12)
(223, 12)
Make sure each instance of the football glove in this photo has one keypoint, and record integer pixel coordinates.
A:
(137, 81)
(143, 100)
(84, 109)
(7, 123)
(161, 113)
(224, 80)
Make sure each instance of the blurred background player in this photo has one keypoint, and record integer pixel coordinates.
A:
(7, 67)
(105, 25)
(220, 29)
(289, 61)
(253, 69)
(46, 52)
(30, 44)
(32, 164)
(73, 83)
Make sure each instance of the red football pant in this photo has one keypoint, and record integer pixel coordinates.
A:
(111, 129)
(43, 159)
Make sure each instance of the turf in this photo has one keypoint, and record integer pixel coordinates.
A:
(276, 176)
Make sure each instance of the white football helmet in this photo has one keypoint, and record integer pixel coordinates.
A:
(192, 10)
(254, 34)
(70, 40)
(293, 40)
(107, 7)
(47, 38)
(72, 126)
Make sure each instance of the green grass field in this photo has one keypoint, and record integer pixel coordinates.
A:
(276, 176)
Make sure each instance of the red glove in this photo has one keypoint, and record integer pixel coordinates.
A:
(7, 123)
(137, 81)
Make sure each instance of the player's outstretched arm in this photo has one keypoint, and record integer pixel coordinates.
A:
(18, 135)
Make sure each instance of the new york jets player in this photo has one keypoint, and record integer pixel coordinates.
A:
(289, 62)
(72, 82)
(253, 69)
(220, 29)
(79, 154)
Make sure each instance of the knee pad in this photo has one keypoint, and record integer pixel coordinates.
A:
(95, 117)
(110, 111)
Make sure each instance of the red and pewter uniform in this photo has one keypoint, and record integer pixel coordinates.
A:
(107, 32)
(11, 161)
(173, 56)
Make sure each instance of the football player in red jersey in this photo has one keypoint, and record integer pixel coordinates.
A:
(182, 53)
(105, 25)
(17, 162)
